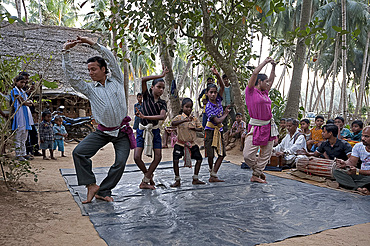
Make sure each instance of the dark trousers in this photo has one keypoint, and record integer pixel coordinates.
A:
(351, 181)
(32, 145)
(88, 148)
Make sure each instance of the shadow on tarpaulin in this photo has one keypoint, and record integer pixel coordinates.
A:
(236, 212)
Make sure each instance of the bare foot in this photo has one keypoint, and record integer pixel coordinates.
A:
(146, 186)
(197, 182)
(364, 191)
(45, 158)
(64, 156)
(92, 189)
(104, 198)
(215, 179)
(152, 182)
(176, 184)
(257, 179)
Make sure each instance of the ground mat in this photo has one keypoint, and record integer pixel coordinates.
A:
(236, 212)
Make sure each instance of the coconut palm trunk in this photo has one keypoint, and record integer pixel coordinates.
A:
(344, 61)
(336, 51)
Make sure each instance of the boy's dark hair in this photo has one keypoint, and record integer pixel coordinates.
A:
(331, 128)
(282, 119)
(210, 80)
(100, 61)
(319, 117)
(359, 123)
(260, 76)
(45, 113)
(139, 94)
(156, 81)
(339, 118)
(23, 73)
(224, 76)
(210, 86)
(238, 114)
(330, 121)
(185, 101)
(306, 120)
(57, 118)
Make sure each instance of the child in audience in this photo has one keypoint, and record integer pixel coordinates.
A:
(305, 128)
(59, 134)
(316, 134)
(282, 130)
(46, 135)
(356, 128)
(148, 135)
(187, 126)
(344, 132)
(236, 130)
(138, 106)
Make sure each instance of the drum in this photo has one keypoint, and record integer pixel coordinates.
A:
(316, 166)
(276, 161)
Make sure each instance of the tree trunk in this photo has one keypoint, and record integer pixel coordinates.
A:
(292, 107)
(25, 11)
(336, 51)
(221, 61)
(313, 89)
(183, 75)
(126, 70)
(308, 83)
(174, 100)
(363, 76)
(18, 6)
(344, 59)
(322, 87)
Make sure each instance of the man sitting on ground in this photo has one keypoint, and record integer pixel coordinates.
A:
(347, 175)
(332, 147)
(291, 143)
(236, 130)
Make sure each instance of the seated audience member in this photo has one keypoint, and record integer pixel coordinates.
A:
(356, 128)
(316, 134)
(292, 142)
(332, 147)
(330, 121)
(305, 128)
(344, 132)
(236, 130)
(282, 130)
(350, 177)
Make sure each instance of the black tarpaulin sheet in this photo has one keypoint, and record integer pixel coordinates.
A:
(236, 212)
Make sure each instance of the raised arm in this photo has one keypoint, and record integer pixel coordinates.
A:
(272, 74)
(257, 70)
(151, 77)
(74, 79)
(220, 82)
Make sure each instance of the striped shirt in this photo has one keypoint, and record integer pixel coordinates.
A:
(242, 126)
(151, 107)
(214, 110)
(108, 103)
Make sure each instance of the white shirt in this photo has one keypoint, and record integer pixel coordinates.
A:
(359, 150)
(108, 103)
(289, 147)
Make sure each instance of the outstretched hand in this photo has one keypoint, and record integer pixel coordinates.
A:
(269, 60)
(70, 44)
(227, 110)
(139, 114)
(165, 71)
(85, 40)
(214, 70)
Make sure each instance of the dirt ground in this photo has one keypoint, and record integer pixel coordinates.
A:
(50, 216)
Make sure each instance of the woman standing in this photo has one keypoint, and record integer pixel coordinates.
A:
(261, 129)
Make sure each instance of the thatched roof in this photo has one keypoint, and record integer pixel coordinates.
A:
(44, 44)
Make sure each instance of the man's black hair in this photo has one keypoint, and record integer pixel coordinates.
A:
(282, 119)
(139, 94)
(23, 73)
(210, 80)
(100, 61)
(211, 86)
(359, 123)
(224, 76)
(339, 118)
(45, 113)
(238, 114)
(331, 128)
(260, 76)
(319, 117)
(330, 121)
(19, 78)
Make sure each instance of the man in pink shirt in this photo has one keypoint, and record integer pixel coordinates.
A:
(261, 129)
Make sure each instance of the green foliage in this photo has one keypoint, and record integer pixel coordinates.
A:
(15, 169)
(278, 104)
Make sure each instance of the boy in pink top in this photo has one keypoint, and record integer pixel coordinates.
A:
(259, 128)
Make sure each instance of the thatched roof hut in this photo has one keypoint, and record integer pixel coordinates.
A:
(44, 45)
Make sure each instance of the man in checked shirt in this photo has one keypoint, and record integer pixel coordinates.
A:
(108, 105)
